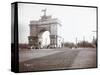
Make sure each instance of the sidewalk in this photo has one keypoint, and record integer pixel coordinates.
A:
(85, 59)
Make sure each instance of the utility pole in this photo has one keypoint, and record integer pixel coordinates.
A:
(76, 42)
(94, 32)
(83, 38)
(94, 38)
(83, 41)
(63, 42)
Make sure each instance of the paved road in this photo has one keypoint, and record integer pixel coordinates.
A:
(36, 53)
(46, 59)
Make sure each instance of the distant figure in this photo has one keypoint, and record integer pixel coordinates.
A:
(39, 44)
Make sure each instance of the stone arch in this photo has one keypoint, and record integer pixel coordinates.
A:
(45, 23)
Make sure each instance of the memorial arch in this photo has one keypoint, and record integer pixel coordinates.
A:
(37, 27)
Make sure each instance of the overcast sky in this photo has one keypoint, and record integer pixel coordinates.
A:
(76, 21)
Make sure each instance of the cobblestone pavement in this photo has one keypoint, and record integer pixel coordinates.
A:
(53, 59)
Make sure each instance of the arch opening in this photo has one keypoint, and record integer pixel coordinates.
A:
(44, 39)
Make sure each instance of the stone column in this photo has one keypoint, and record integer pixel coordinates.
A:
(53, 41)
(33, 41)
